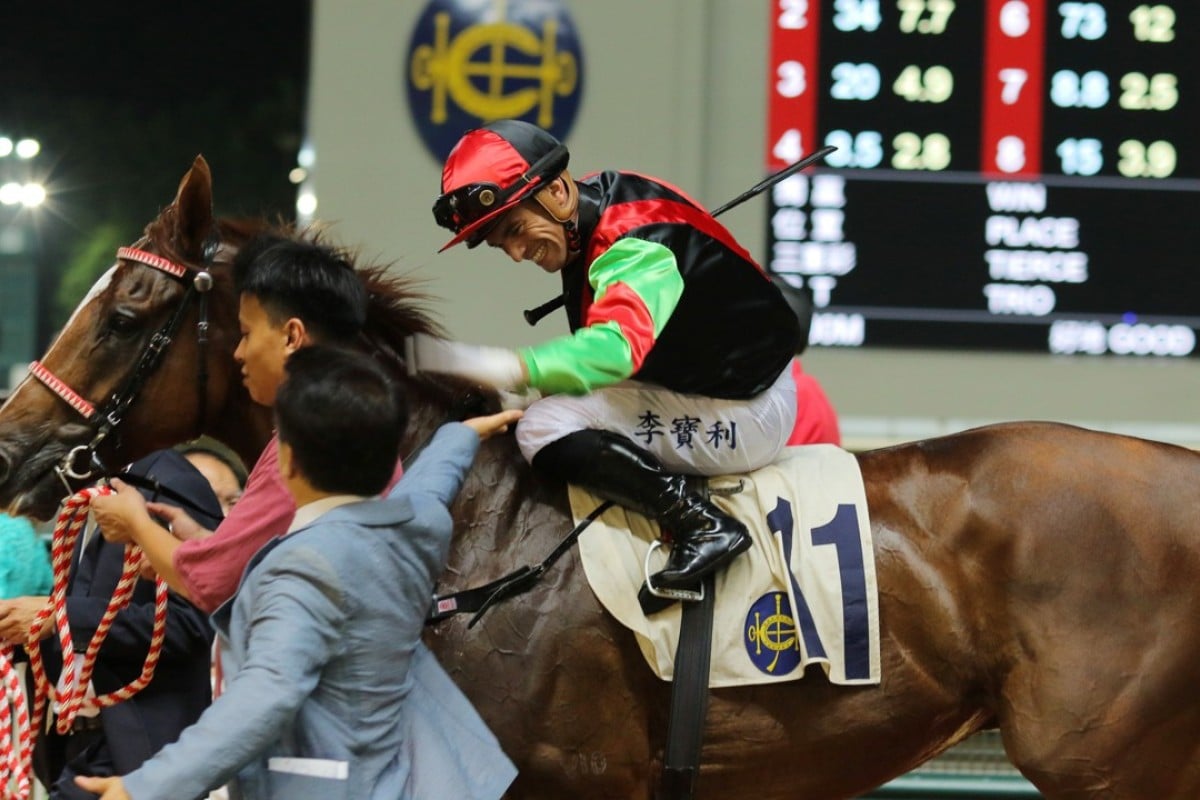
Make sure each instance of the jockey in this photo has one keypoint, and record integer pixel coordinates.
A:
(680, 346)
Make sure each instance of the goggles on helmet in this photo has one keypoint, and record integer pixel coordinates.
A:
(457, 209)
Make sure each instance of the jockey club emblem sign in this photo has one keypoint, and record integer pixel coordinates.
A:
(473, 61)
(772, 638)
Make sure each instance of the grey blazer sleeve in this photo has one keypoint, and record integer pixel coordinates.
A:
(439, 469)
(298, 624)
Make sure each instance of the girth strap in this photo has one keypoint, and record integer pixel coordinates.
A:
(689, 698)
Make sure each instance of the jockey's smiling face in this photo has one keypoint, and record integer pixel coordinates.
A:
(264, 347)
(529, 233)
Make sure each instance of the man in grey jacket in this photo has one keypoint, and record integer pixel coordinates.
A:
(327, 620)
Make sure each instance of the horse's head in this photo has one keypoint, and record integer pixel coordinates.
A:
(125, 376)
(146, 360)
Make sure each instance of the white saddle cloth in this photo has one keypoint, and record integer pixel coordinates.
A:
(812, 552)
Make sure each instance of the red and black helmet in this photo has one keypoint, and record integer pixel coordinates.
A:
(489, 171)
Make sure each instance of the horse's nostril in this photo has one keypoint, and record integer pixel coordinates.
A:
(5, 467)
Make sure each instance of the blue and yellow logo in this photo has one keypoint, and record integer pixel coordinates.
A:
(772, 641)
(474, 61)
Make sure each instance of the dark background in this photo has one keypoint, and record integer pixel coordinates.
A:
(123, 96)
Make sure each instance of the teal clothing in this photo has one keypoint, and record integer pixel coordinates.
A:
(24, 560)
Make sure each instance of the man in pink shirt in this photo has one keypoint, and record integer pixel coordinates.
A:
(292, 294)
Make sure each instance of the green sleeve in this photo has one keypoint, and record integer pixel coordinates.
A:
(636, 285)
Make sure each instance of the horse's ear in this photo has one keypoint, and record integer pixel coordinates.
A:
(194, 211)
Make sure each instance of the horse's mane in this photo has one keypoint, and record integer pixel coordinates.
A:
(397, 303)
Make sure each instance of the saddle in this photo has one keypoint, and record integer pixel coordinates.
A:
(803, 593)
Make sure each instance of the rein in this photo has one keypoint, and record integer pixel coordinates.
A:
(159, 489)
(82, 462)
(481, 598)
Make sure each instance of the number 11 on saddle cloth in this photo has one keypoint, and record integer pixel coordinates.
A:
(804, 593)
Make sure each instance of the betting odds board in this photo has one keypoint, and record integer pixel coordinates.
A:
(1010, 174)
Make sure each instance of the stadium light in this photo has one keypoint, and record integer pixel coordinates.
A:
(33, 195)
(28, 148)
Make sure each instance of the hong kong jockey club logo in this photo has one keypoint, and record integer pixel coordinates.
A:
(771, 637)
(474, 61)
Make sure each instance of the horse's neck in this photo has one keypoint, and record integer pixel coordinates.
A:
(423, 422)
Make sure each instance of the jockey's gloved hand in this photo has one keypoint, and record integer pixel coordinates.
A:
(520, 399)
(491, 366)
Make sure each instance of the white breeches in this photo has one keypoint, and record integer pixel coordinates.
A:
(689, 433)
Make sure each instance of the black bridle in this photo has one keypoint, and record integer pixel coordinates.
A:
(83, 463)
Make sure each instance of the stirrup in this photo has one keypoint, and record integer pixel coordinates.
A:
(689, 595)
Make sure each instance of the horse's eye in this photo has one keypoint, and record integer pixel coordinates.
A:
(122, 323)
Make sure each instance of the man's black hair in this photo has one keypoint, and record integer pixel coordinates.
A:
(343, 418)
(309, 280)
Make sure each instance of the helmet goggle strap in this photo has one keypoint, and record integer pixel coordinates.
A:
(461, 207)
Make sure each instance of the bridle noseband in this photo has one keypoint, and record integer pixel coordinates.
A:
(82, 462)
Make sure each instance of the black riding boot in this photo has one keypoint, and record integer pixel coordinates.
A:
(611, 466)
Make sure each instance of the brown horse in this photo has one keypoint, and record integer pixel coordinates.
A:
(1034, 577)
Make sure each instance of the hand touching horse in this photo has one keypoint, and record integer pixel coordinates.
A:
(1034, 577)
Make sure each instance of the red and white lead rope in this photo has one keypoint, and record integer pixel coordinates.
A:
(66, 531)
(75, 684)
(16, 740)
